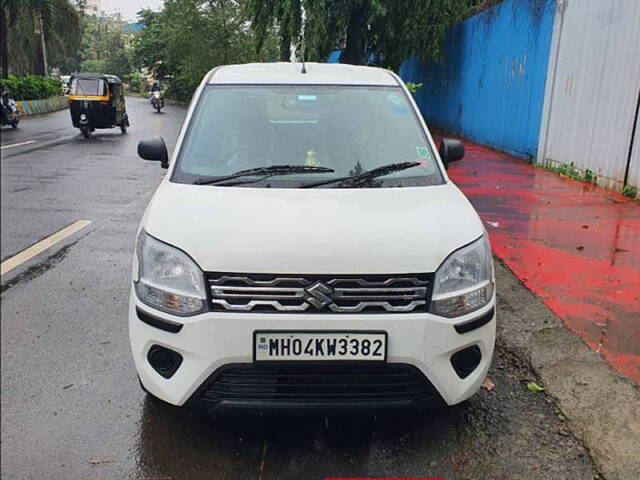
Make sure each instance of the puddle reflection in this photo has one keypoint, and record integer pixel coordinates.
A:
(575, 245)
(178, 443)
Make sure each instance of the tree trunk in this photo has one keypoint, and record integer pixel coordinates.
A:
(356, 35)
(4, 41)
(285, 48)
(41, 55)
(43, 47)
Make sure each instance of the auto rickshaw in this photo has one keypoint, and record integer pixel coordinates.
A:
(97, 101)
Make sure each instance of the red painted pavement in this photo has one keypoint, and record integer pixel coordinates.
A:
(575, 245)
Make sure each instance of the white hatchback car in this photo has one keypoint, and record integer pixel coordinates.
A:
(306, 249)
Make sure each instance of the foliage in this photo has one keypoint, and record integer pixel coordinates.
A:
(413, 87)
(103, 48)
(21, 34)
(403, 28)
(629, 191)
(565, 169)
(135, 83)
(190, 37)
(383, 32)
(589, 177)
(286, 14)
(534, 387)
(94, 66)
(31, 87)
(182, 87)
(570, 170)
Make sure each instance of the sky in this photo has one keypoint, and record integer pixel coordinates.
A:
(129, 8)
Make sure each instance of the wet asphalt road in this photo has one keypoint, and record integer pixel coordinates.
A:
(71, 404)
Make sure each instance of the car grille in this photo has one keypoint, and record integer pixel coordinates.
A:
(319, 293)
(329, 382)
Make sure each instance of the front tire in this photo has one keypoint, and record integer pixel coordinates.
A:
(14, 124)
(86, 131)
(123, 127)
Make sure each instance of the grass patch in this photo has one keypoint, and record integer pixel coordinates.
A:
(570, 170)
(629, 191)
(589, 177)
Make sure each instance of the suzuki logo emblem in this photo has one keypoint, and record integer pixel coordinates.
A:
(318, 295)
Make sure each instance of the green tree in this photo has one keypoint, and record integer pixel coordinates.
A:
(387, 31)
(35, 33)
(150, 46)
(190, 37)
(104, 48)
(265, 15)
(93, 65)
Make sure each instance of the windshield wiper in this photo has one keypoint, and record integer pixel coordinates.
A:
(265, 172)
(364, 177)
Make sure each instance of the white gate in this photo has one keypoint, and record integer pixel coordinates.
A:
(592, 91)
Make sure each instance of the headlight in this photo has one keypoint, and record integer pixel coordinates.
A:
(464, 282)
(168, 279)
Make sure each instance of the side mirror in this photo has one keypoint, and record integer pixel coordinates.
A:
(451, 150)
(154, 149)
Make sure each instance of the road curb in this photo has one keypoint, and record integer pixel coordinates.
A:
(601, 406)
(43, 105)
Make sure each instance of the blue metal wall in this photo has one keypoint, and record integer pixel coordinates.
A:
(334, 57)
(490, 84)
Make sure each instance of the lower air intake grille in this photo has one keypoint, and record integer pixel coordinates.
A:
(336, 382)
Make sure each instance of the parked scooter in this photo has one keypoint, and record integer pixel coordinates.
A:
(157, 100)
(10, 112)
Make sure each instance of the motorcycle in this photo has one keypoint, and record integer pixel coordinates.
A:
(157, 101)
(10, 112)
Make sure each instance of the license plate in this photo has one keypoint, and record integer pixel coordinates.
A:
(320, 346)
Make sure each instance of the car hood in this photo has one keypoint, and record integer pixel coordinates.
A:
(313, 231)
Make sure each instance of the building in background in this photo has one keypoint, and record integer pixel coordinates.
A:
(88, 7)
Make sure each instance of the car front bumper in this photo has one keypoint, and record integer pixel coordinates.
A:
(211, 342)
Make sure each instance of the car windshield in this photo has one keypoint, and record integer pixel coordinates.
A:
(87, 86)
(348, 129)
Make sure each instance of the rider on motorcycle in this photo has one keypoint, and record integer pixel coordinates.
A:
(156, 94)
(4, 94)
(8, 107)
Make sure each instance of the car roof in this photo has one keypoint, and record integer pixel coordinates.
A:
(291, 73)
(107, 77)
